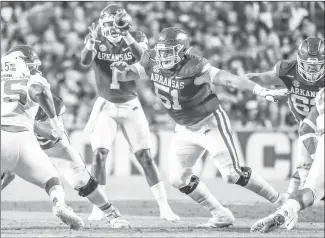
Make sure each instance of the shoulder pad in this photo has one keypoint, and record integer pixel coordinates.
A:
(37, 78)
(284, 66)
(139, 36)
(195, 64)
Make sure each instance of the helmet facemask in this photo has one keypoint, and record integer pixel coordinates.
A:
(108, 30)
(168, 57)
(311, 69)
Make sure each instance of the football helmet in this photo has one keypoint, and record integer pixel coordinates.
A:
(106, 22)
(311, 59)
(171, 47)
(28, 55)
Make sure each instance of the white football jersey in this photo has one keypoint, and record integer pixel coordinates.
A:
(17, 108)
(319, 100)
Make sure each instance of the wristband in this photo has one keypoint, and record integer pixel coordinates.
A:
(257, 89)
(129, 40)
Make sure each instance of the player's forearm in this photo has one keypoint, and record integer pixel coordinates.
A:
(230, 80)
(136, 48)
(43, 97)
(266, 79)
(88, 54)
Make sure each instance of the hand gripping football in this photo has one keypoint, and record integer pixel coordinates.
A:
(123, 21)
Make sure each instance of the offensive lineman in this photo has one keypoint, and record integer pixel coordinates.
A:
(117, 103)
(21, 96)
(303, 77)
(183, 82)
(313, 189)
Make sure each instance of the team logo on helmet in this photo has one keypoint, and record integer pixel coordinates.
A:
(181, 36)
(156, 69)
(102, 48)
(296, 83)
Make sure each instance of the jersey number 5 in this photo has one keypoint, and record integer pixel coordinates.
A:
(13, 91)
(163, 92)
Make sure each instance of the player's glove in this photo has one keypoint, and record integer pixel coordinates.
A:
(91, 38)
(270, 94)
(120, 66)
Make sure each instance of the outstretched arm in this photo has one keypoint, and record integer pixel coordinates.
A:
(266, 79)
(224, 78)
(89, 52)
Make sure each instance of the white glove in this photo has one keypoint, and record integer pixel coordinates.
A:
(120, 66)
(270, 94)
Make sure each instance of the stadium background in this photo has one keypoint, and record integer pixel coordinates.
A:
(237, 36)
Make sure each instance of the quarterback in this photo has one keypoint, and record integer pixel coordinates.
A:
(183, 82)
(117, 104)
(22, 93)
(313, 189)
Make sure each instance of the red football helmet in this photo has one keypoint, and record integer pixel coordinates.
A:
(106, 22)
(29, 55)
(171, 47)
(310, 59)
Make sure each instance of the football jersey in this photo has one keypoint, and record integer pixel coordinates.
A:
(185, 102)
(302, 93)
(107, 53)
(17, 108)
(41, 117)
(320, 109)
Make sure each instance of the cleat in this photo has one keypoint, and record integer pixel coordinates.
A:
(116, 220)
(221, 218)
(291, 222)
(96, 214)
(266, 224)
(67, 216)
(168, 215)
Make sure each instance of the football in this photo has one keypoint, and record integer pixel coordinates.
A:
(123, 21)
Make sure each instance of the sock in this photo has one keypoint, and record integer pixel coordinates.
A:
(57, 194)
(203, 196)
(294, 184)
(98, 198)
(159, 192)
(289, 208)
(259, 186)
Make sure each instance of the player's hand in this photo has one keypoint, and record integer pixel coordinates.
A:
(93, 34)
(57, 130)
(122, 23)
(120, 66)
(271, 95)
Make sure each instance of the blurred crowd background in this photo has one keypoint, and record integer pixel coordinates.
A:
(239, 37)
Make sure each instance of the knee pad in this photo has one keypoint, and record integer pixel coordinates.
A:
(194, 182)
(88, 188)
(245, 175)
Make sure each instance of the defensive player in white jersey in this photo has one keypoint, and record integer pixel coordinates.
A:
(21, 96)
(313, 189)
(185, 82)
(70, 164)
(117, 104)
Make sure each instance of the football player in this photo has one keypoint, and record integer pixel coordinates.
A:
(21, 95)
(303, 77)
(117, 103)
(313, 189)
(69, 162)
(183, 81)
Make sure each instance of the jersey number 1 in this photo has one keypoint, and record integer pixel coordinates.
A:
(173, 103)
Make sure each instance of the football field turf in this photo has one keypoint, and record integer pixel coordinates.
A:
(34, 219)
